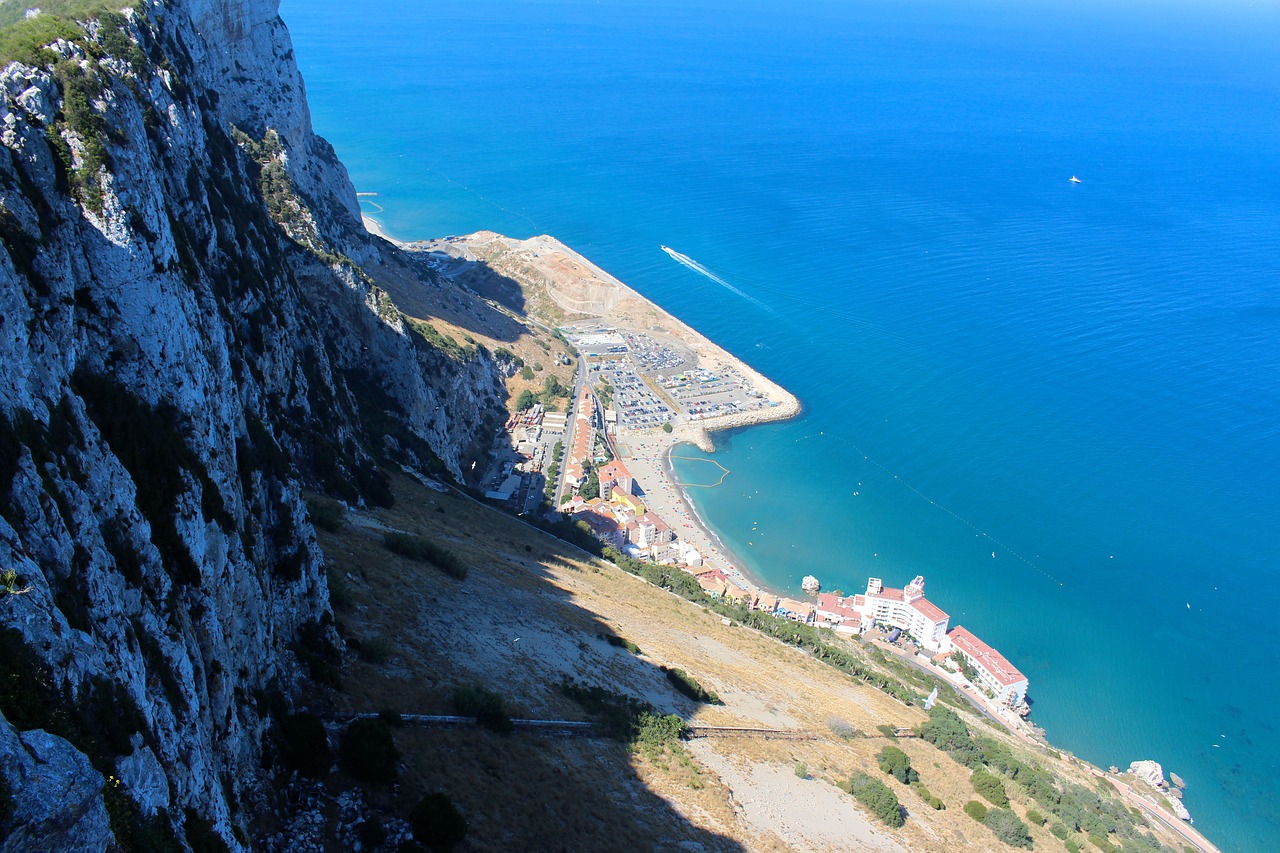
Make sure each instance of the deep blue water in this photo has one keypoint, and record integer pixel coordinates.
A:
(1081, 379)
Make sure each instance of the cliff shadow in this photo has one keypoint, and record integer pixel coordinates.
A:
(516, 625)
(460, 292)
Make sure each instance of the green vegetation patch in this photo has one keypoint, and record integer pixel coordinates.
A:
(326, 513)
(990, 788)
(437, 823)
(1008, 828)
(689, 686)
(622, 643)
(876, 797)
(1077, 807)
(489, 708)
(368, 751)
(425, 551)
(929, 798)
(897, 764)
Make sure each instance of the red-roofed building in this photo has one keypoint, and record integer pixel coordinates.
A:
(905, 608)
(713, 583)
(766, 602)
(995, 673)
(584, 437)
(799, 611)
(616, 476)
(739, 594)
(602, 524)
(838, 613)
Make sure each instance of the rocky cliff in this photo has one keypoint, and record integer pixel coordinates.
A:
(194, 330)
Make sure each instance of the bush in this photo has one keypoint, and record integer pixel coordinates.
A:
(1102, 844)
(975, 810)
(689, 686)
(340, 595)
(368, 752)
(877, 798)
(437, 823)
(622, 643)
(1035, 817)
(1008, 828)
(306, 746)
(1059, 831)
(897, 764)
(425, 551)
(990, 788)
(802, 770)
(928, 797)
(654, 733)
(945, 730)
(489, 708)
(327, 514)
(1072, 845)
(375, 650)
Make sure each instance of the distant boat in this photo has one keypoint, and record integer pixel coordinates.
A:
(1074, 180)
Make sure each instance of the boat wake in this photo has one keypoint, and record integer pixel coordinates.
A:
(685, 260)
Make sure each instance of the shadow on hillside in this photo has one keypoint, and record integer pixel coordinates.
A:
(509, 628)
(454, 290)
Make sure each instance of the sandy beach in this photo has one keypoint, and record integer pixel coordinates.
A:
(648, 458)
(374, 227)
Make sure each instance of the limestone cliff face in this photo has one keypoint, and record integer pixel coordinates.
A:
(191, 333)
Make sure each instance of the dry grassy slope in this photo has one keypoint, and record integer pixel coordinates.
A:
(531, 612)
(468, 318)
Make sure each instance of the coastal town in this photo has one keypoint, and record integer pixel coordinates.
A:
(605, 463)
(594, 444)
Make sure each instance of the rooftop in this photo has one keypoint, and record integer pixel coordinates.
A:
(929, 610)
(985, 656)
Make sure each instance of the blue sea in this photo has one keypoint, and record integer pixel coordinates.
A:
(1059, 402)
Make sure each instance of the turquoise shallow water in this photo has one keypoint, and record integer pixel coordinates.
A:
(1081, 379)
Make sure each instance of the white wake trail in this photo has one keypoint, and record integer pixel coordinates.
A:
(689, 262)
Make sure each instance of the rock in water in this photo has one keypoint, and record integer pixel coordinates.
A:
(1150, 772)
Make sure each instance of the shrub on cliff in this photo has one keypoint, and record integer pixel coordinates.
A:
(306, 746)
(368, 752)
(990, 788)
(489, 708)
(975, 810)
(1008, 828)
(437, 823)
(945, 730)
(689, 686)
(897, 764)
(930, 799)
(326, 513)
(425, 551)
(877, 798)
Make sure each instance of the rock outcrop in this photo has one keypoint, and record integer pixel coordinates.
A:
(193, 331)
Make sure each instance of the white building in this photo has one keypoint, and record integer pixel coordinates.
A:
(1006, 683)
(906, 608)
